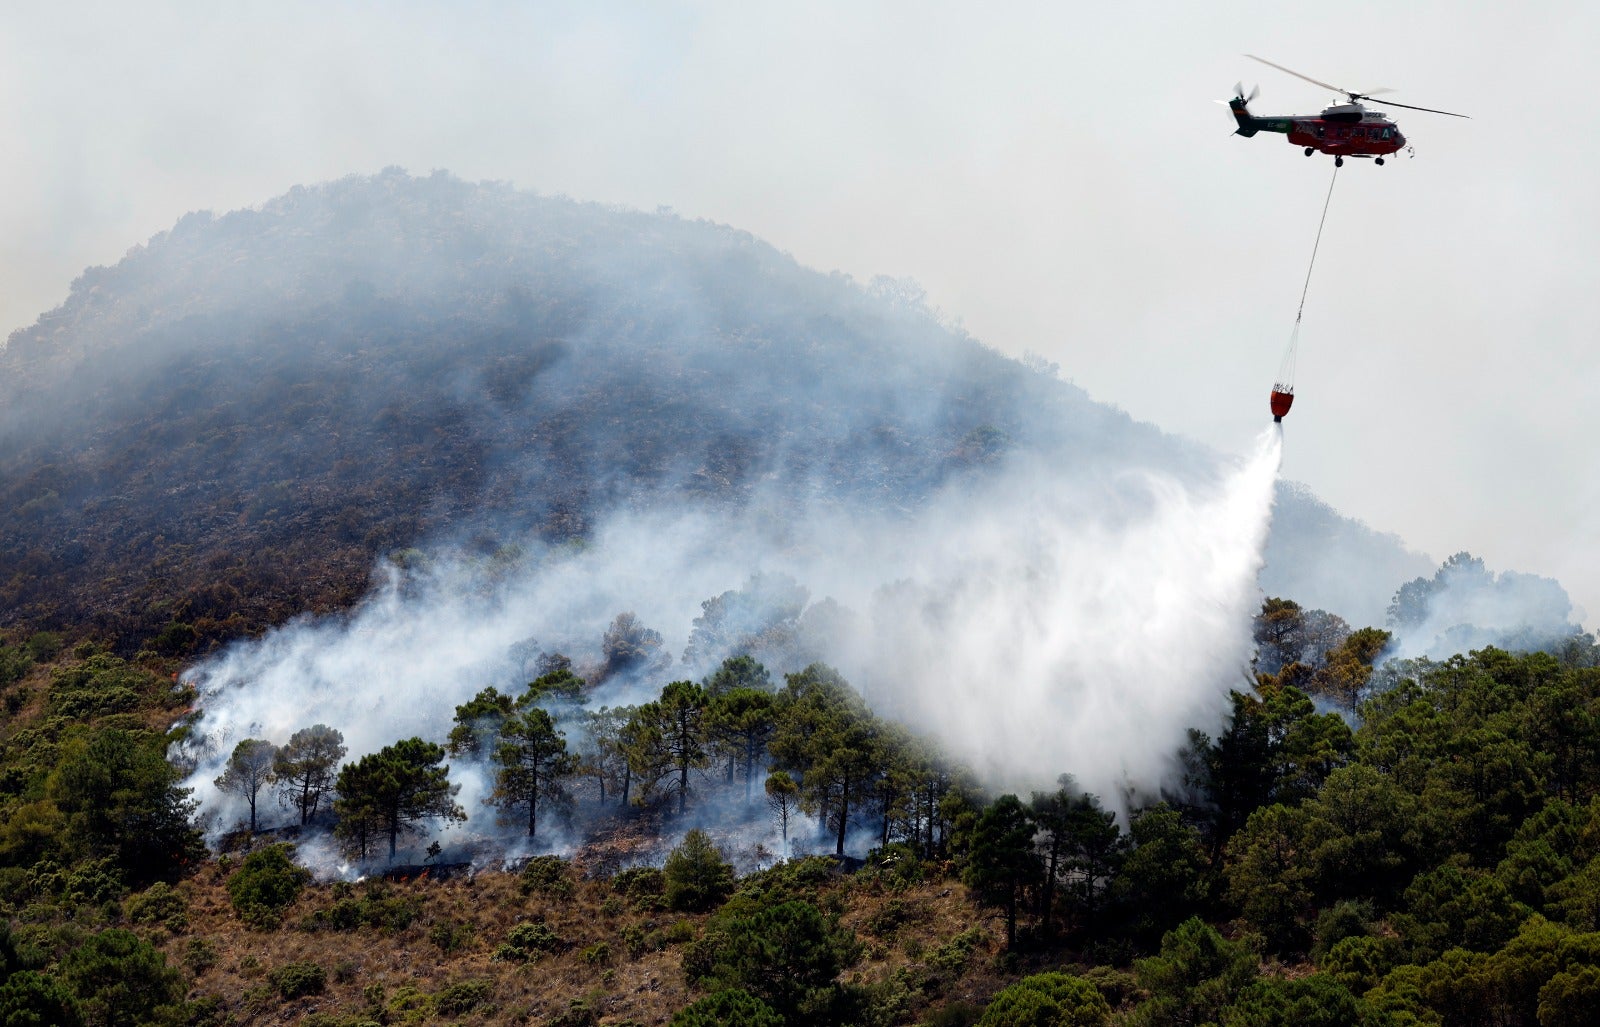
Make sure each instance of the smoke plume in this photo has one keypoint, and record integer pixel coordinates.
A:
(1035, 622)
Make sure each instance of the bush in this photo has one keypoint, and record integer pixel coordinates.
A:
(266, 885)
(547, 875)
(892, 915)
(642, 885)
(450, 935)
(293, 980)
(895, 867)
(956, 1014)
(90, 883)
(462, 996)
(789, 956)
(14, 664)
(527, 942)
(796, 880)
(379, 908)
(636, 939)
(697, 877)
(679, 931)
(732, 1006)
(199, 955)
(99, 685)
(578, 1014)
(1052, 999)
(159, 904)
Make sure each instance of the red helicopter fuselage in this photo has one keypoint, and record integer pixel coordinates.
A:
(1343, 130)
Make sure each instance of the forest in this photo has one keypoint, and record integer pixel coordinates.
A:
(1415, 843)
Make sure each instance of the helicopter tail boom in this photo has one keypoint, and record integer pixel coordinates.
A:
(1249, 124)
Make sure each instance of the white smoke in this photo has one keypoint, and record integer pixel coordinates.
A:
(1061, 636)
(1035, 623)
(1466, 606)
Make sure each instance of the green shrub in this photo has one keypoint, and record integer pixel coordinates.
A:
(343, 915)
(450, 935)
(578, 1014)
(89, 883)
(462, 996)
(634, 938)
(175, 639)
(731, 1006)
(679, 931)
(527, 942)
(159, 904)
(44, 646)
(949, 961)
(1058, 999)
(266, 885)
(99, 685)
(14, 664)
(199, 955)
(642, 885)
(697, 877)
(546, 875)
(789, 956)
(893, 915)
(379, 908)
(796, 880)
(956, 1014)
(894, 867)
(598, 954)
(293, 980)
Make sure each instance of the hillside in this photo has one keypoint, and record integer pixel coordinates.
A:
(959, 735)
(232, 424)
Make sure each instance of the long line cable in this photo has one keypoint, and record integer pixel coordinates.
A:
(1316, 245)
(1291, 355)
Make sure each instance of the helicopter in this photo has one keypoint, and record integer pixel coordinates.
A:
(1342, 130)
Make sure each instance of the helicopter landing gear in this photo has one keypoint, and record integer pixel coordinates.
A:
(1310, 150)
(1338, 162)
(1378, 161)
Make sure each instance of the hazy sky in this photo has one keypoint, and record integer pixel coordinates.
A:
(1053, 174)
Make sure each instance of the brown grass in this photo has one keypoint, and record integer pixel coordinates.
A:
(646, 988)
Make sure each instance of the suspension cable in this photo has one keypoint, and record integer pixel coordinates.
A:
(1314, 246)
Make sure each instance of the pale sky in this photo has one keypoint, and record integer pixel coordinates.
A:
(1053, 174)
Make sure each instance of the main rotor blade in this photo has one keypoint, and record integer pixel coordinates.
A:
(1374, 92)
(1430, 110)
(1296, 74)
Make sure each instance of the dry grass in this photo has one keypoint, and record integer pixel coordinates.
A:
(372, 967)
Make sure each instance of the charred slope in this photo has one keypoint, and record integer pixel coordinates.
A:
(228, 426)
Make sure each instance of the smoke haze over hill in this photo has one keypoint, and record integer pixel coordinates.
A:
(549, 413)
(1041, 626)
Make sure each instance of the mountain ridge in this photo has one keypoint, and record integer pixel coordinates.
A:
(236, 422)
